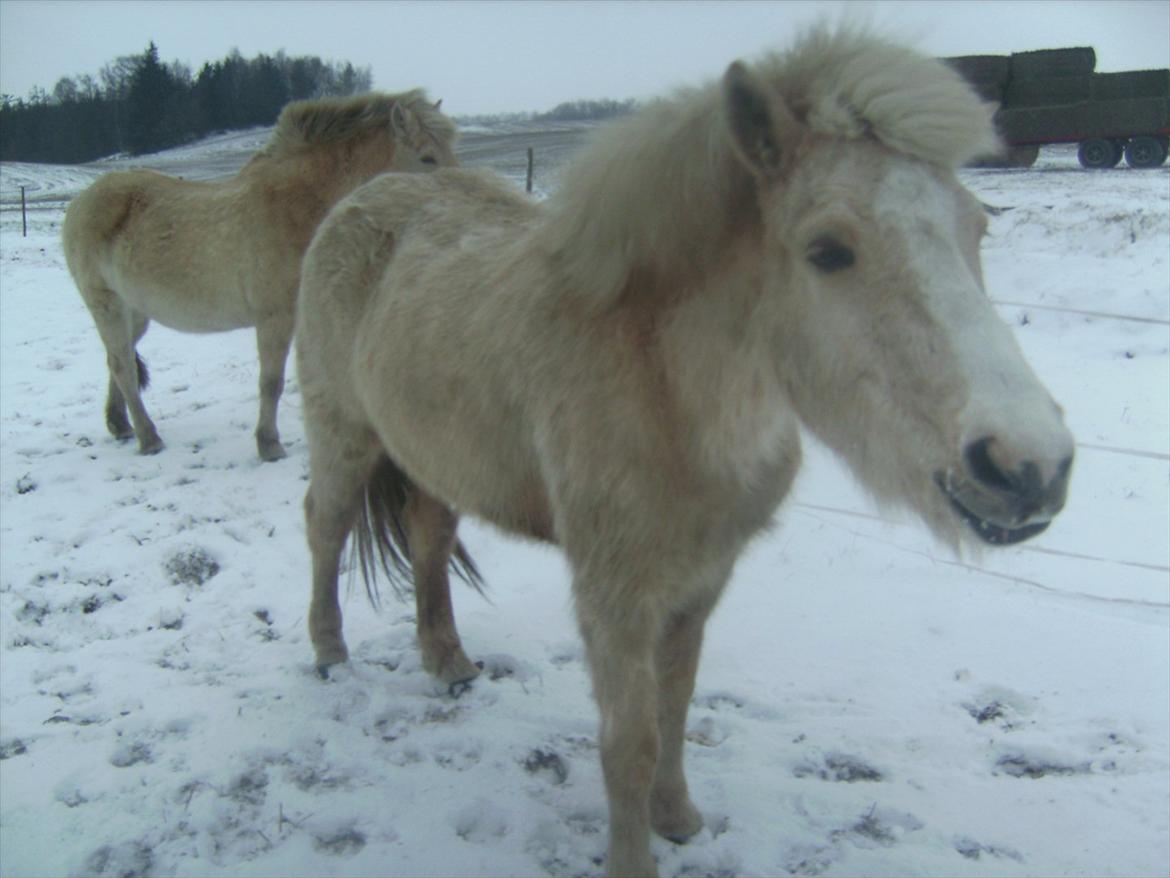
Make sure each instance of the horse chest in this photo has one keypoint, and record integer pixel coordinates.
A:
(737, 420)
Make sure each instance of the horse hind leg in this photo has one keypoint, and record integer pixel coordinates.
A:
(116, 420)
(340, 464)
(273, 338)
(120, 329)
(430, 527)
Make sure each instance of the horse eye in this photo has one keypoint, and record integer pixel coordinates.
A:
(830, 255)
(429, 160)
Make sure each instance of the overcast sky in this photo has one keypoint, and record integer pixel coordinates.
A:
(487, 57)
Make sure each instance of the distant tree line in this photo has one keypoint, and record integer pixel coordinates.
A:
(569, 111)
(139, 104)
(581, 111)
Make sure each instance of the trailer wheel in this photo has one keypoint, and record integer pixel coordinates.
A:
(1022, 156)
(1099, 153)
(1145, 152)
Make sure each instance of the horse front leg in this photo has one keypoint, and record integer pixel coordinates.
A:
(620, 645)
(430, 528)
(273, 337)
(672, 813)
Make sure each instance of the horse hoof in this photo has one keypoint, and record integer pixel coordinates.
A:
(272, 451)
(677, 824)
(327, 670)
(459, 687)
(454, 669)
(152, 447)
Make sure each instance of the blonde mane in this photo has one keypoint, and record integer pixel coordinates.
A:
(660, 193)
(327, 120)
(850, 85)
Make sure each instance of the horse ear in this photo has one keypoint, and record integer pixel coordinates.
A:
(404, 122)
(438, 104)
(752, 116)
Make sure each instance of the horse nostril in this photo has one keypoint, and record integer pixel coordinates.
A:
(984, 469)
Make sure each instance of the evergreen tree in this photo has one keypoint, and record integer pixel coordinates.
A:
(151, 89)
(139, 104)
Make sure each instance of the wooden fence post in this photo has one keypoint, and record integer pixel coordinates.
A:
(23, 216)
(528, 186)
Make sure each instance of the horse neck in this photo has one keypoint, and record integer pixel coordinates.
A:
(659, 195)
(308, 183)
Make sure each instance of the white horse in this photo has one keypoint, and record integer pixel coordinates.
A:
(622, 371)
(220, 255)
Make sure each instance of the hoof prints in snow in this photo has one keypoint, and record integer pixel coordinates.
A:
(974, 850)
(985, 713)
(880, 826)
(708, 733)
(840, 767)
(547, 763)
(344, 843)
(15, 747)
(192, 567)
(131, 859)
(1023, 765)
(128, 754)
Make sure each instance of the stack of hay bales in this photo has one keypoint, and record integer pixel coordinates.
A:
(1054, 96)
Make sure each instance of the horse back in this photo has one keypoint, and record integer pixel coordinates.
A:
(114, 208)
(391, 333)
(99, 214)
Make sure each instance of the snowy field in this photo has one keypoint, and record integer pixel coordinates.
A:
(868, 704)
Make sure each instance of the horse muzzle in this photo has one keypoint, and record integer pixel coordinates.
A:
(1001, 503)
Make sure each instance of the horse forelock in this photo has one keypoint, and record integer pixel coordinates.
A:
(849, 84)
(327, 120)
(662, 191)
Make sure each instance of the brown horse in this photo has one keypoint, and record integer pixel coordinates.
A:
(622, 370)
(214, 256)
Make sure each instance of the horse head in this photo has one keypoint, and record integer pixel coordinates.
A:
(889, 346)
(424, 137)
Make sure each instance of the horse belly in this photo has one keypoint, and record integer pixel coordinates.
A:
(185, 308)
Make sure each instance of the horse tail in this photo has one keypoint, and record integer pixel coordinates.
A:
(143, 372)
(381, 536)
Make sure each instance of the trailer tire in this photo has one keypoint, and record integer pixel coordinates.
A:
(1099, 153)
(1023, 156)
(1145, 152)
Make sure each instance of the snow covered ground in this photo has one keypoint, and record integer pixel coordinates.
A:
(867, 703)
